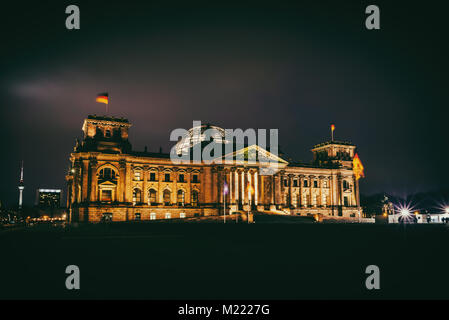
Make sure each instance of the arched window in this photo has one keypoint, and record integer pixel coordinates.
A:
(194, 198)
(107, 174)
(107, 133)
(181, 198)
(167, 197)
(137, 196)
(152, 197)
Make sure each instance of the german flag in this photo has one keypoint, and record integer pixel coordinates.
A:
(357, 167)
(103, 98)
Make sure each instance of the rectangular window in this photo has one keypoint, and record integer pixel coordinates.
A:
(181, 178)
(306, 183)
(168, 215)
(167, 177)
(346, 201)
(295, 183)
(152, 216)
(325, 183)
(152, 176)
(195, 178)
(285, 183)
(315, 184)
(106, 195)
(137, 175)
(182, 215)
(137, 216)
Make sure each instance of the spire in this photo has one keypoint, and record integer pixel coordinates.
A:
(21, 173)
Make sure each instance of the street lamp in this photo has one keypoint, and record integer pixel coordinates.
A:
(405, 212)
(446, 210)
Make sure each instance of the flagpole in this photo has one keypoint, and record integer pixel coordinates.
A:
(224, 208)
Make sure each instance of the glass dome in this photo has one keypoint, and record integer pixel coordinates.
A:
(199, 134)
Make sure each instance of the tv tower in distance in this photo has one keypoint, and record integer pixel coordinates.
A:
(21, 187)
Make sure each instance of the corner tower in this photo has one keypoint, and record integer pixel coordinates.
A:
(105, 134)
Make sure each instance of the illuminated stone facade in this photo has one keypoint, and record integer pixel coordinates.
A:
(107, 180)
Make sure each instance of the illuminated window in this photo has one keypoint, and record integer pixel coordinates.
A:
(181, 198)
(137, 216)
(106, 195)
(137, 196)
(107, 174)
(152, 197)
(168, 215)
(324, 183)
(324, 200)
(167, 196)
(152, 216)
(137, 175)
(314, 200)
(194, 198)
(182, 215)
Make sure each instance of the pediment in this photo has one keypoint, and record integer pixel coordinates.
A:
(253, 154)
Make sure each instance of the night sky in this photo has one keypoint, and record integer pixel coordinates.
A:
(296, 66)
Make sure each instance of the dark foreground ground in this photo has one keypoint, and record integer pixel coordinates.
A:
(232, 261)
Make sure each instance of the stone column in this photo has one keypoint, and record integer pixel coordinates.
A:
(77, 180)
(145, 184)
(207, 185)
(356, 192)
(278, 191)
(341, 191)
(121, 183)
(231, 194)
(245, 186)
(236, 186)
(85, 181)
(301, 187)
(256, 188)
(242, 186)
(290, 189)
(175, 186)
(214, 185)
(188, 198)
(93, 179)
(160, 175)
(128, 184)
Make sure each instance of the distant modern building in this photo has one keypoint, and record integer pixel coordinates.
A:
(48, 198)
(108, 180)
